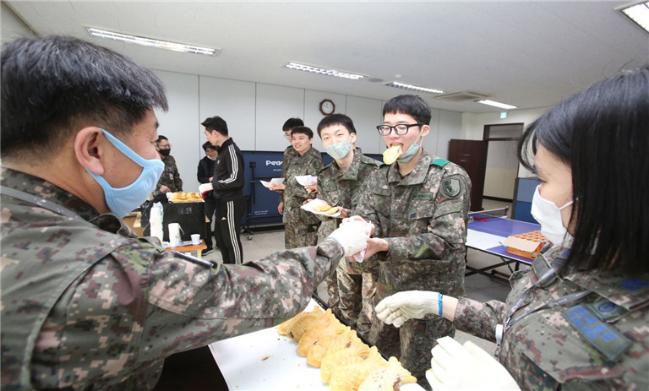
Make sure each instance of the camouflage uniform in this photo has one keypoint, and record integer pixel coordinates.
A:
(289, 153)
(343, 188)
(423, 217)
(300, 226)
(85, 306)
(170, 176)
(546, 345)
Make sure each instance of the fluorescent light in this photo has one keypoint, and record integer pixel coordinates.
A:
(638, 13)
(496, 104)
(151, 42)
(412, 87)
(324, 71)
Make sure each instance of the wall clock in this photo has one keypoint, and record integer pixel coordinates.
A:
(327, 107)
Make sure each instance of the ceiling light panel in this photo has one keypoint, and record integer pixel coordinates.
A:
(500, 105)
(152, 42)
(411, 87)
(324, 71)
(639, 13)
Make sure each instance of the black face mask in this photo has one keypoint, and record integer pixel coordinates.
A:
(165, 152)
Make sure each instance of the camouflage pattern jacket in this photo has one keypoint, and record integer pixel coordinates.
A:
(294, 194)
(423, 217)
(555, 340)
(289, 153)
(170, 176)
(85, 306)
(343, 188)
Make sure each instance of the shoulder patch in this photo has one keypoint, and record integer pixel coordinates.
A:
(451, 187)
(600, 335)
(439, 162)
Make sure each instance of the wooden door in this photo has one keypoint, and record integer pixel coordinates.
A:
(472, 156)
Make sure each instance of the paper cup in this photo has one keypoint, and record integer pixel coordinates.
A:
(196, 239)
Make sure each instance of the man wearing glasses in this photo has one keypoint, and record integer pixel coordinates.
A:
(419, 206)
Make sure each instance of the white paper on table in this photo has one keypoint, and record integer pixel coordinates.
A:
(265, 360)
(316, 202)
(307, 180)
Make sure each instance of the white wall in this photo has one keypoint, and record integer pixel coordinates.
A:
(366, 114)
(473, 125)
(234, 101)
(180, 124)
(12, 26)
(274, 105)
(255, 113)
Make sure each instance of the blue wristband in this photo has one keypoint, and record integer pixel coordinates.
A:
(440, 309)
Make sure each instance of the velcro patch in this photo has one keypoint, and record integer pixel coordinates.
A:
(606, 310)
(451, 187)
(605, 338)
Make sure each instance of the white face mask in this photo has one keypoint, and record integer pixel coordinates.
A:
(549, 216)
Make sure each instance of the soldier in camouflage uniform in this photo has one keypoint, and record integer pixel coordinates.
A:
(419, 207)
(300, 226)
(578, 320)
(340, 184)
(170, 179)
(86, 305)
(289, 153)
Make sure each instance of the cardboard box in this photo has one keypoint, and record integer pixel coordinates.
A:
(526, 245)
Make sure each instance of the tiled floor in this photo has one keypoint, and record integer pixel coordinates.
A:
(477, 286)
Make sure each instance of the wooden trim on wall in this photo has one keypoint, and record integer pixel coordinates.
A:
(497, 198)
(487, 127)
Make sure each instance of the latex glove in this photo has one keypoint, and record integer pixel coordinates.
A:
(451, 362)
(402, 306)
(354, 219)
(352, 237)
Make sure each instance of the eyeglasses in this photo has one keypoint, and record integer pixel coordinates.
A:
(400, 129)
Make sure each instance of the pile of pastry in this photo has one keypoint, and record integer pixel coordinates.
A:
(326, 209)
(345, 362)
(182, 196)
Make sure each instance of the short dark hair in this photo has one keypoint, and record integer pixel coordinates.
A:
(302, 130)
(160, 138)
(602, 133)
(292, 123)
(411, 105)
(216, 123)
(52, 85)
(336, 119)
(207, 145)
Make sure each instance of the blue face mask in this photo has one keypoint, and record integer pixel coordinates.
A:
(339, 150)
(410, 153)
(122, 200)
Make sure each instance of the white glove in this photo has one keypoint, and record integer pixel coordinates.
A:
(450, 364)
(352, 236)
(402, 306)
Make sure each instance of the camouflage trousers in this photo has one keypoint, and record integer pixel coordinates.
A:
(351, 295)
(298, 234)
(412, 342)
(344, 290)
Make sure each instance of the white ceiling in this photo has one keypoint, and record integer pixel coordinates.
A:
(529, 54)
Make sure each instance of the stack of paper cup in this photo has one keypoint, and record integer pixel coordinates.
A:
(174, 234)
